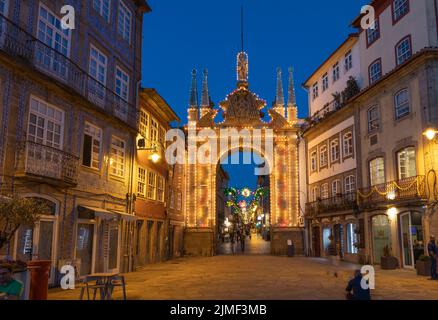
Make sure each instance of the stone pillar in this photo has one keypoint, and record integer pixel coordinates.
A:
(279, 237)
(199, 242)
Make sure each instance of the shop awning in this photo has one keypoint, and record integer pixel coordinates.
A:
(126, 216)
(88, 212)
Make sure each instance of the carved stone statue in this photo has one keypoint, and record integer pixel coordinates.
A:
(242, 67)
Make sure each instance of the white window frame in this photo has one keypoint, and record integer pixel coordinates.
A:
(141, 181)
(162, 136)
(122, 84)
(373, 118)
(42, 110)
(144, 120)
(160, 188)
(404, 171)
(151, 185)
(315, 91)
(374, 74)
(154, 128)
(402, 108)
(350, 184)
(313, 161)
(348, 61)
(55, 66)
(373, 34)
(123, 14)
(348, 144)
(336, 73)
(403, 50)
(351, 238)
(103, 7)
(96, 134)
(325, 82)
(118, 158)
(335, 150)
(336, 187)
(400, 9)
(325, 191)
(97, 85)
(377, 171)
(323, 156)
(314, 194)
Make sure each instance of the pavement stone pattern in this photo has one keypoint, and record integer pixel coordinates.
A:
(260, 277)
(253, 245)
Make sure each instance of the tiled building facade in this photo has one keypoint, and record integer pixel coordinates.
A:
(69, 121)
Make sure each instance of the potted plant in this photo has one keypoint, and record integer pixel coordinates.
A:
(15, 212)
(423, 265)
(388, 261)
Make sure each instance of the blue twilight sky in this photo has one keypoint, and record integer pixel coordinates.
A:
(181, 35)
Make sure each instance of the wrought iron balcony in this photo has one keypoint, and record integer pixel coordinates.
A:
(320, 115)
(411, 189)
(41, 162)
(18, 43)
(340, 203)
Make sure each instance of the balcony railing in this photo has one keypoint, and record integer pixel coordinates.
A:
(340, 203)
(40, 161)
(409, 189)
(17, 42)
(318, 116)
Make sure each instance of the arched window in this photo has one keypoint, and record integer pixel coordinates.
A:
(403, 50)
(323, 156)
(313, 161)
(324, 191)
(401, 103)
(377, 171)
(348, 144)
(334, 150)
(314, 194)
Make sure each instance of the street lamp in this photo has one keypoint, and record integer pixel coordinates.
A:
(430, 134)
(155, 156)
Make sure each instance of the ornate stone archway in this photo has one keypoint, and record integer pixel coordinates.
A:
(276, 140)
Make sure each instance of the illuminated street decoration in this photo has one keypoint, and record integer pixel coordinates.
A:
(243, 119)
(242, 209)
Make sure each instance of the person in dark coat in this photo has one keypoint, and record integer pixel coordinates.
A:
(432, 251)
(233, 242)
(354, 288)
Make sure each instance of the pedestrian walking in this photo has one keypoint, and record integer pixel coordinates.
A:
(233, 243)
(242, 242)
(332, 253)
(432, 249)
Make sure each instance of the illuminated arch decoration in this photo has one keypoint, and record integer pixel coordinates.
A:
(242, 110)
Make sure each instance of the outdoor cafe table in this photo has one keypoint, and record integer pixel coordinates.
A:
(102, 279)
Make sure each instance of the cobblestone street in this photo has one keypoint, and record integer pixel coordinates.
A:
(261, 277)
